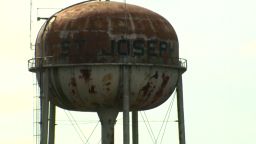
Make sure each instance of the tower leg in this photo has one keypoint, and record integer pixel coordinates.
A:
(135, 133)
(52, 124)
(44, 102)
(126, 105)
(47, 111)
(180, 111)
(108, 120)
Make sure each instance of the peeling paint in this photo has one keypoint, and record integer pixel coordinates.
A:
(146, 91)
(92, 89)
(83, 32)
(159, 93)
(107, 80)
(72, 84)
(85, 74)
(76, 99)
(96, 32)
(107, 77)
(155, 75)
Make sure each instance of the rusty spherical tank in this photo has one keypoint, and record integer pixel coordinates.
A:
(85, 47)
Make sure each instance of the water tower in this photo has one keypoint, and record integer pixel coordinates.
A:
(106, 57)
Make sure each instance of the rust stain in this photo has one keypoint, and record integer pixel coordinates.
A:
(165, 57)
(73, 91)
(90, 33)
(155, 76)
(165, 80)
(159, 93)
(107, 77)
(86, 74)
(107, 81)
(76, 97)
(146, 90)
(79, 33)
(72, 84)
(92, 90)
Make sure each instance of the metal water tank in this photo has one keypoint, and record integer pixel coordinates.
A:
(85, 46)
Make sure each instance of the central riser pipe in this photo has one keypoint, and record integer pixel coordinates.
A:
(108, 120)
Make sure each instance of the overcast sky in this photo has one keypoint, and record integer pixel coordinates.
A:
(217, 37)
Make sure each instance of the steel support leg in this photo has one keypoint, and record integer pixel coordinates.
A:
(180, 111)
(135, 133)
(52, 124)
(126, 105)
(44, 100)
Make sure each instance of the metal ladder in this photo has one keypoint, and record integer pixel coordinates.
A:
(36, 112)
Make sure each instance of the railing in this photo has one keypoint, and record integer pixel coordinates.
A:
(38, 62)
(41, 62)
(183, 63)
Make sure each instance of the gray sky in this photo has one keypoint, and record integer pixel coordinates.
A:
(217, 37)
